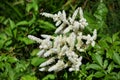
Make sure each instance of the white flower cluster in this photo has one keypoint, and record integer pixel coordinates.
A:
(70, 24)
(62, 50)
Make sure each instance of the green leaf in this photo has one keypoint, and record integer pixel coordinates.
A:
(110, 67)
(28, 77)
(116, 58)
(33, 20)
(35, 5)
(49, 77)
(8, 42)
(29, 7)
(11, 74)
(98, 59)
(91, 21)
(37, 61)
(99, 74)
(3, 38)
(46, 25)
(6, 22)
(105, 64)
(22, 23)
(32, 5)
(12, 59)
(8, 32)
(1, 65)
(90, 77)
(109, 39)
(93, 66)
(12, 24)
(118, 75)
(116, 43)
(103, 44)
(65, 75)
(21, 66)
(34, 52)
(110, 77)
(26, 40)
(101, 12)
(115, 37)
(2, 18)
(109, 53)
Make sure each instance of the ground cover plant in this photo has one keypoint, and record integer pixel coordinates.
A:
(18, 53)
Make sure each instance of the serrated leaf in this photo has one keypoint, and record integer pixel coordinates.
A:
(29, 7)
(91, 21)
(93, 66)
(98, 59)
(1, 65)
(116, 43)
(32, 5)
(1, 43)
(46, 25)
(35, 5)
(103, 44)
(49, 77)
(101, 12)
(109, 39)
(26, 40)
(2, 18)
(6, 22)
(32, 20)
(110, 67)
(28, 77)
(12, 59)
(90, 77)
(15, 33)
(109, 53)
(109, 77)
(12, 24)
(34, 52)
(116, 58)
(8, 42)
(105, 64)
(115, 36)
(22, 23)
(99, 74)
(37, 61)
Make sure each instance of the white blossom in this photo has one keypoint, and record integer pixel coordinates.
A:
(40, 53)
(81, 12)
(64, 50)
(57, 67)
(94, 34)
(83, 23)
(34, 38)
(58, 23)
(42, 69)
(71, 40)
(46, 44)
(76, 26)
(75, 14)
(79, 42)
(58, 30)
(49, 61)
(67, 29)
(47, 15)
(50, 52)
(47, 36)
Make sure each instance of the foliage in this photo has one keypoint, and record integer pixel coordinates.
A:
(18, 18)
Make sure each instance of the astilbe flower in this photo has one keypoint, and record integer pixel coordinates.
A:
(61, 50)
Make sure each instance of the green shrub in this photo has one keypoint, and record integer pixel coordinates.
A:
(18, 59)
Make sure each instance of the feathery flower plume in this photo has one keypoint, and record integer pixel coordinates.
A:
(61, 50)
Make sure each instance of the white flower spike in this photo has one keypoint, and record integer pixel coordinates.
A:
(62, 50)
